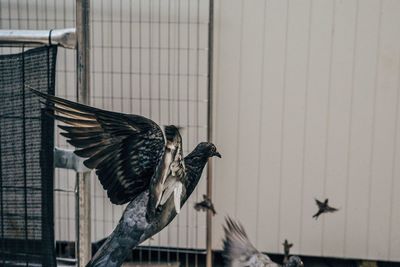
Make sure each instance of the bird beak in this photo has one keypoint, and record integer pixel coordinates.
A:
(216, 153)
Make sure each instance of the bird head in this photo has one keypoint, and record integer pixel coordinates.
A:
(207, 149)
(294, 261)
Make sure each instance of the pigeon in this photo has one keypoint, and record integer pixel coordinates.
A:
(286, 250)
(135, 164)
(239, 251)
(205, 205)
(323, 207)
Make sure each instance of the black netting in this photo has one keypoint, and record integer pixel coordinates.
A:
(26, 159)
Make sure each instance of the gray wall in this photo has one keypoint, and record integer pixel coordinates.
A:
(307, 105)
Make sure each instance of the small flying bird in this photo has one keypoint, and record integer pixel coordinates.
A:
(205, 205)
(239, 251)
(136, 164)
(323, 207)
(286, 249)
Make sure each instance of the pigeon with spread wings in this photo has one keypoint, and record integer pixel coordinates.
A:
(135, 164)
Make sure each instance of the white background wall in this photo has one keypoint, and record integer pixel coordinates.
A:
(307, 105)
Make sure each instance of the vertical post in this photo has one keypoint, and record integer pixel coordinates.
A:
(209, 128)
(84, 252)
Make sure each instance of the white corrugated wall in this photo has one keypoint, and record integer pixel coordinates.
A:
(307, 105)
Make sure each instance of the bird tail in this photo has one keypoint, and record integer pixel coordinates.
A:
(213, 211)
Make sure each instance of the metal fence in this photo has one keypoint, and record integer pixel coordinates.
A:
(149, 58)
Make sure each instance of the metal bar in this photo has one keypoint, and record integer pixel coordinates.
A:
(196, 257)
(83, 93)
(3, 246)
(62, 37)
(209, 130)
(67, 159)
(24, 151)
(84, 249)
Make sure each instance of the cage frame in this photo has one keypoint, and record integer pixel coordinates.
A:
(78, 39)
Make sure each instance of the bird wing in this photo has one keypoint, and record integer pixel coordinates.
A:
(236, 245)
(331, 209)
(319, 203)
(166, 179)
(124, 149)
(201, 204)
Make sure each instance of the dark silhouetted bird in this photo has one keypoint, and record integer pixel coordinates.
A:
(239, 251)
(135, 164)
(205, 205)
(323, 207)
(286, 250)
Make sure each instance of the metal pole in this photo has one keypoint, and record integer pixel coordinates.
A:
(62, 37)
(209, 129)
(83, 92)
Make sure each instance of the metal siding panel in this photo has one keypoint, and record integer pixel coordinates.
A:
(249, 116)
(338, 125)
(315, 123)
(332, 159)
(384, 127)
(394, 233)
(226, 112)
(271, 129)
(293, 121)
(356, 205)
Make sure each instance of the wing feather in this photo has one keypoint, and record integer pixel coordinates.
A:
(124, 149)
(236, 244)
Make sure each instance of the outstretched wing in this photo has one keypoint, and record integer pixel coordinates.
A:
(237, 245)
(331, 209)
(124, 149)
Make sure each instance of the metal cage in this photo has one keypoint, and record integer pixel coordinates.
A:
(147, 57)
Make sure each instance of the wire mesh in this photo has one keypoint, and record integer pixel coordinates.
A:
(154, 55)
(149, 58)
(26, 156)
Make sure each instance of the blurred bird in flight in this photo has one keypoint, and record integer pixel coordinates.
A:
(205, 205)
(323, 207)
